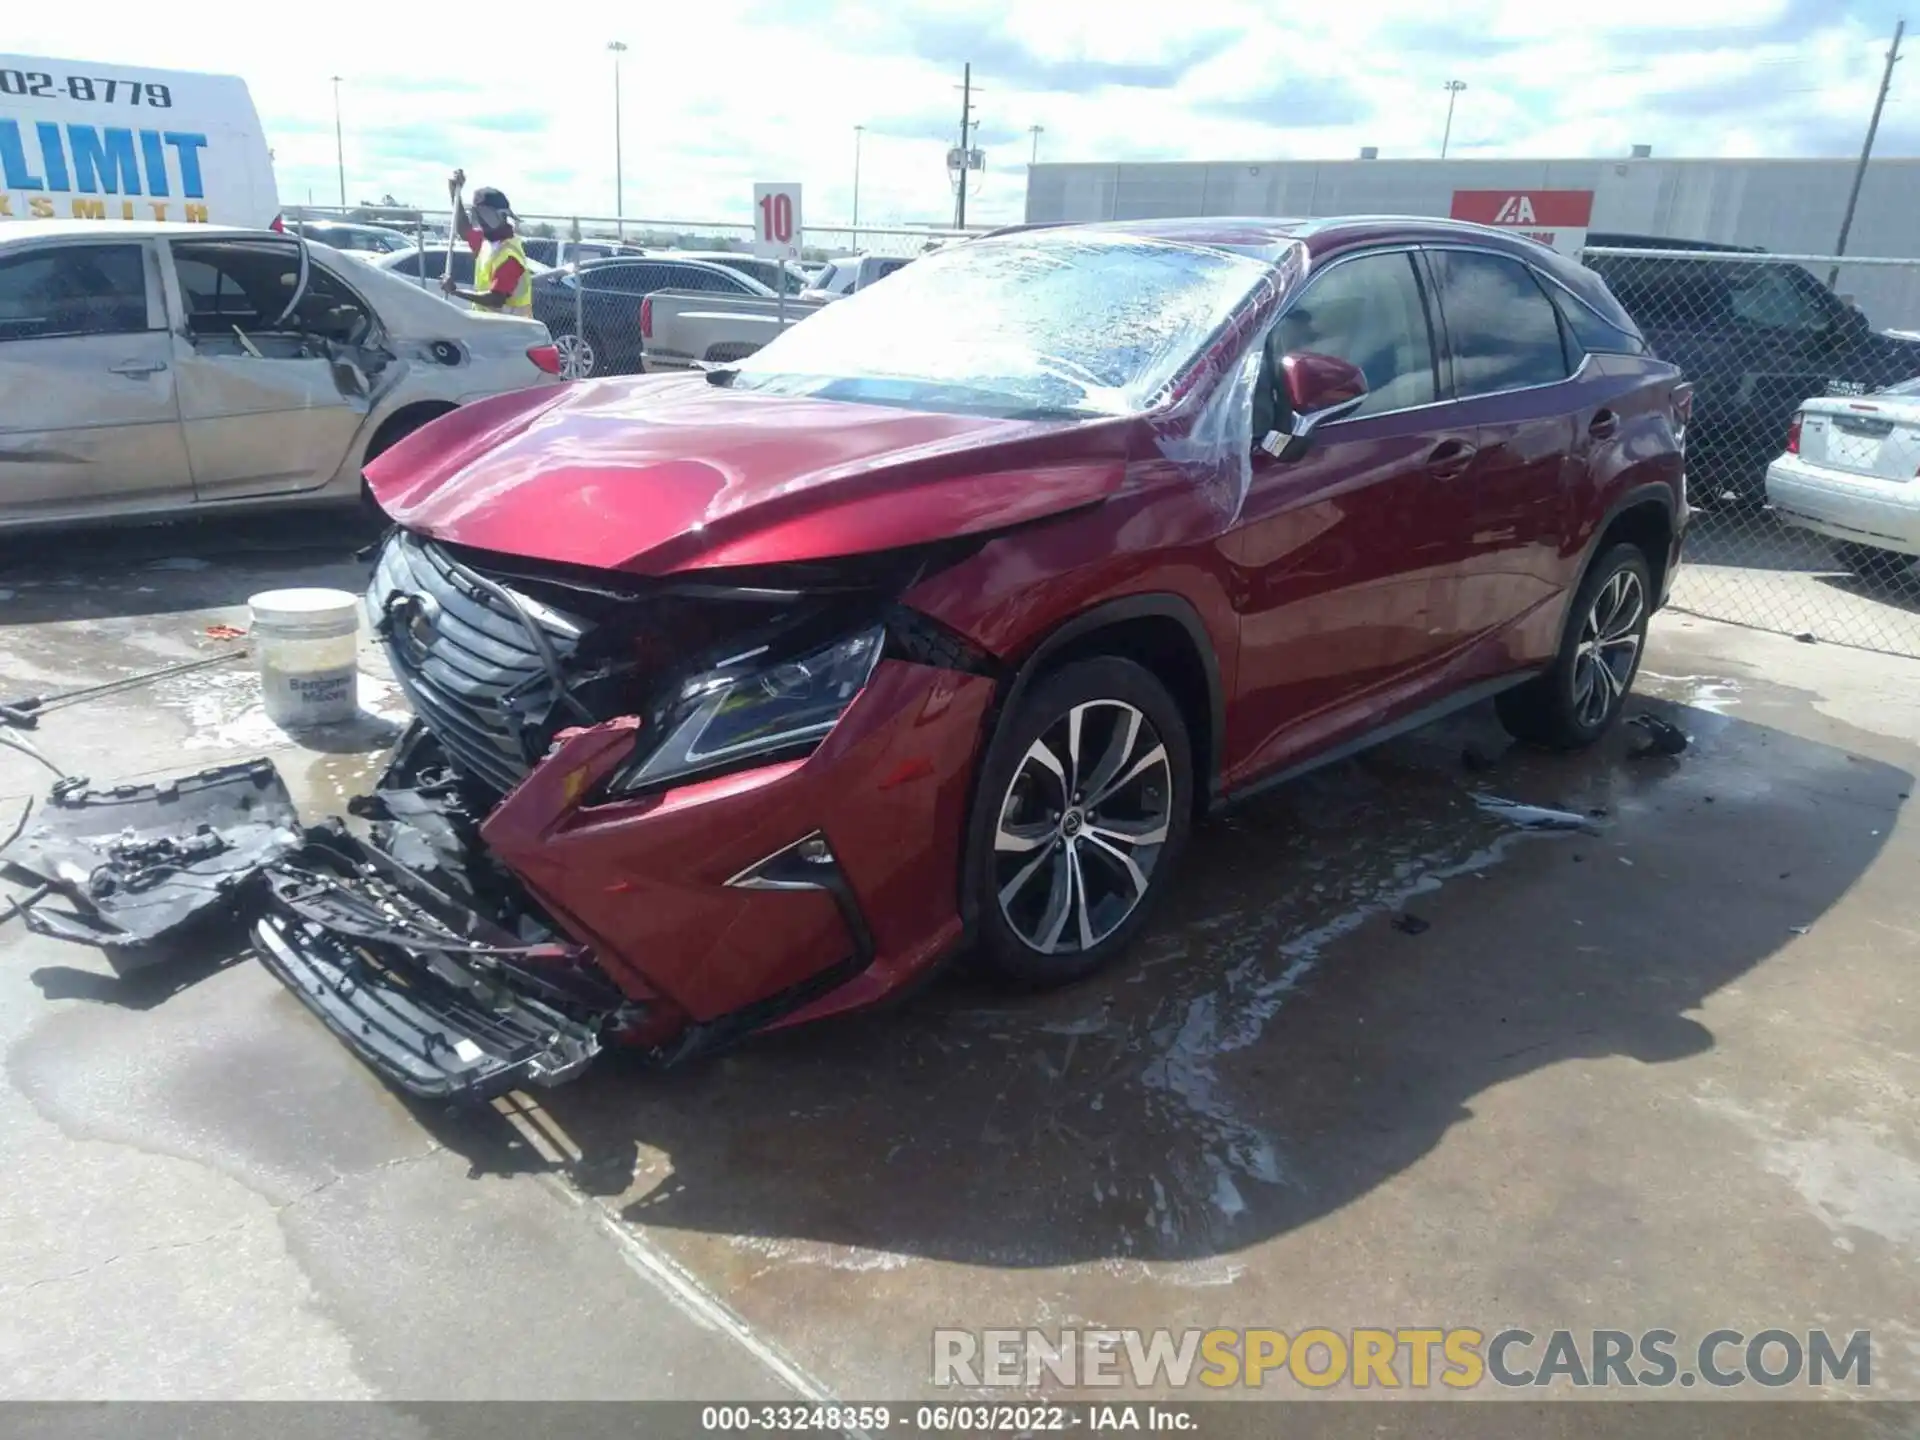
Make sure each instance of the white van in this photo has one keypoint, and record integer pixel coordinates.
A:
(84, 141)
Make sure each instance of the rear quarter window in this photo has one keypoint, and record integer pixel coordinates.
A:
(1592, 335)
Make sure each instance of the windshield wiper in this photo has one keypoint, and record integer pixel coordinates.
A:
(722, 377)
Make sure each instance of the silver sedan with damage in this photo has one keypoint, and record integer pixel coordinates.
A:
(153, 369)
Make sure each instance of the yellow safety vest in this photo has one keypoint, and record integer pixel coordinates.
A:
(492, 252)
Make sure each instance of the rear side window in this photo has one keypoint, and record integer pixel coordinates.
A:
(244, 284)
(1771, 297)
(1591, 334)
(73, 290)
(1664, 294)
(1502, 331)
(1369, 312)
(626, 279)
(718, 279)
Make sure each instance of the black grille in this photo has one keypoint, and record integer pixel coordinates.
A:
(465, 660)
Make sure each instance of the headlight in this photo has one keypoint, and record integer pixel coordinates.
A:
(750, 707)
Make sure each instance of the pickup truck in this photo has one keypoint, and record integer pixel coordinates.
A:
(1756, 338)
(850, 273)
(681, 330)
(685, 329)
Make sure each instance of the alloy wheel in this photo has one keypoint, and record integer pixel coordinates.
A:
(576, 356)
(1081, 827)
(1609, 648)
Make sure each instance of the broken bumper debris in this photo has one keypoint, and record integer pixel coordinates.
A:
(425, 990)
(135, 863)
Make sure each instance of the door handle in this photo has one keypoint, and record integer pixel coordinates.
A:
(138, 368)
(1450, 458)
(1604, 425)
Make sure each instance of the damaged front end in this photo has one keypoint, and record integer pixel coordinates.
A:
(422, 954)
(606, 823)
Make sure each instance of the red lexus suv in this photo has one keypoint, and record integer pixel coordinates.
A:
(745, 698)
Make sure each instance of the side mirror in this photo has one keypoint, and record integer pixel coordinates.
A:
(1319, 388)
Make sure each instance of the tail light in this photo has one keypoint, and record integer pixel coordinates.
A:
(646, 318)
(279, 224)
(1793, 437)
(1682, 400)
(546, 357)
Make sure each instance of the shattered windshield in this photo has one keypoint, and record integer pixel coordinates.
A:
(1058, 324)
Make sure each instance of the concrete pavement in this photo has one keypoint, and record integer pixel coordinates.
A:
(1661, 1075)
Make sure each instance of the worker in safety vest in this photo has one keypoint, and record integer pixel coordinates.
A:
(501, 279)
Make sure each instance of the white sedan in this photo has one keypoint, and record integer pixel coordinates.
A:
(1851, 472)
(155, 369)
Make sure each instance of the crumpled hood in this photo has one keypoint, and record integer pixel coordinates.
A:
(670, 473)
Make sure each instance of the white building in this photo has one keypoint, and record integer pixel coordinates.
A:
(1787, 206)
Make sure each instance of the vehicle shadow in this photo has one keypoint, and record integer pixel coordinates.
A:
(1749, 537)
(1275, 1046)
(99, 574)
(145, 976)
(1901, 589)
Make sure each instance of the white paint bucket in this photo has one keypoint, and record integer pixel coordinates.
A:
(306, 643)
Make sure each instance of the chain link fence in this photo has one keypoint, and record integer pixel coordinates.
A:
(1803, 451)
(593, 275)
(657, 295)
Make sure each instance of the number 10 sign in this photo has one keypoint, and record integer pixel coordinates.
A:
(776, 221)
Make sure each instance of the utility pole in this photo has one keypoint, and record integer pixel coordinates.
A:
(1034, 130)
(619, 176)
(966, 126)
(1454, 87)
(340, 150)
(1866, 150)
(859, 131)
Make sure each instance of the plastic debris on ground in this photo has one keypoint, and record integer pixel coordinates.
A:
(1534, 817)
(1655, 737)
(136, 862)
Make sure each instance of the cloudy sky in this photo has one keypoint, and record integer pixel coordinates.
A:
(718, 96)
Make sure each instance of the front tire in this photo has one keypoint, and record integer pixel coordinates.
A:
(1082, 811)
(1575, 702)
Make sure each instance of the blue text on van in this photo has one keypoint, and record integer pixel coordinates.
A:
(95, 159)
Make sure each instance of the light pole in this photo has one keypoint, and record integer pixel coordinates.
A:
(1034, 130)
(859, 132)
(339, 146)
(619, 194)
(1454, 87)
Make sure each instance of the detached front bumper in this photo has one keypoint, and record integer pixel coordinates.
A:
(423, 990)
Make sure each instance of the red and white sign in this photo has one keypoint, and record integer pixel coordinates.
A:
(1558, 219)
(776, 222)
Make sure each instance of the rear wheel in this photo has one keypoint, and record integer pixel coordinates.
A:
(1083, 809)
(1574, 702)
(580, 354)
(1871, 563)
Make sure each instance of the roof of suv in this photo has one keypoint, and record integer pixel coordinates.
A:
(1621, 241)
